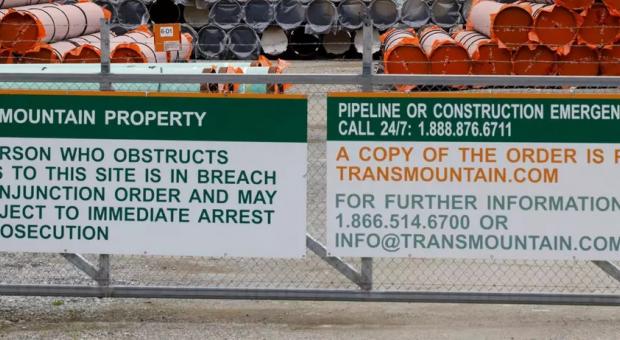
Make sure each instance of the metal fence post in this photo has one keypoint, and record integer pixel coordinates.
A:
(105, 55)
(104, 270)
(366, 272)
(367, 55)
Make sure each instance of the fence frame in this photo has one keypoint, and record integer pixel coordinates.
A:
(363, 277)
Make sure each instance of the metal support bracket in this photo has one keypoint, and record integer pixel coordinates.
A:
(366, 273)
(367, 54)
(609, 268)
(105, 54)
(101, 275)
(336, 262)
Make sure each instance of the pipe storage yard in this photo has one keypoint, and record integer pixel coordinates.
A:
(551, 37)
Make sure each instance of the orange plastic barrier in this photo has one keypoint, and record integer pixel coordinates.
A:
(445, 55)
(402, 53)
(24, 28)
(509, 24)
(6, 57)
(487, 57)
(599, 27)
(581, 61)
(610, 61)
(555, 26)
(534, 60)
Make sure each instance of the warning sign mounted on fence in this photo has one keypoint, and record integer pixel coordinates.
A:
(524, 176)
(163, 174)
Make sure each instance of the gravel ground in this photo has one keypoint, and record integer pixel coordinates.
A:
(34, 318)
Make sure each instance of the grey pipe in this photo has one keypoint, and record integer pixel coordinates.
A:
(259, 14)
(132, 13)
(109, 5)
(226, 13)
(351, 13)
(164, 11)
(196, 17)
(290, 14)
(415, 13)
(243, 42)
(337, 43)
(446, 13)
(185, 28)
(358, 41)
(321, 16)
(212, 42)
(384, 13)
(304, 44)
(274, 41)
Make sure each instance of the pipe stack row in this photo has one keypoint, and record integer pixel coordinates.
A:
(243, 29)
(566, 37)
(69, 33)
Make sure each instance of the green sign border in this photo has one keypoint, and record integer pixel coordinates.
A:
(535, 130)
(236, 117)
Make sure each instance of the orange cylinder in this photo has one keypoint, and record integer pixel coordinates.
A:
(90, 50)
(20, 3)
(142, 49)
(580, 61)
(613, 6)
(610, 61)
(6, 57)
(487, 57)
(445, 55)
(599, 27)
(47, 53)
(24, 28)
(555, 26)
(402, 53)
(575, 5)
(536, 60)
(508, 24)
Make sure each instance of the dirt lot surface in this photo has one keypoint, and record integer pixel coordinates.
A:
(165, 319)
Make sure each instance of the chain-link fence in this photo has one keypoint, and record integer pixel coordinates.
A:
(316, 276)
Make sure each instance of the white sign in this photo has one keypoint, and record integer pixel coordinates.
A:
(244, 196)
(404, 192)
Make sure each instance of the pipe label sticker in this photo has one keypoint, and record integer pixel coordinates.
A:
(167, 37)
(159, 174)
(511, 176)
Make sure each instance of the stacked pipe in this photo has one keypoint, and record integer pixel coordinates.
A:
(306, 28)
(57, 33)
(243, 29)
(569, 37)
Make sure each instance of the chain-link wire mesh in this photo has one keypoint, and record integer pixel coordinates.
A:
(312, 271)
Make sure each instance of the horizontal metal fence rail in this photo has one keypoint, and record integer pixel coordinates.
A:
(320, 79)
(307, 295)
